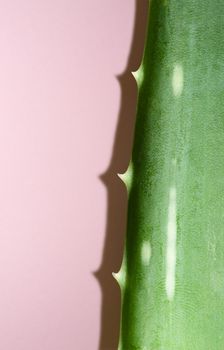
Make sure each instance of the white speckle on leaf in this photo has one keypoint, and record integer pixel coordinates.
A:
(171, 245)
(178, 80)
(146, 252)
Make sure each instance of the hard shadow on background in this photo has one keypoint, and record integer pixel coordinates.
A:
(116, 191)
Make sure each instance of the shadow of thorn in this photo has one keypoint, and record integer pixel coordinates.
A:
(116, 191)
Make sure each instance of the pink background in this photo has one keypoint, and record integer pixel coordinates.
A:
(67, 102)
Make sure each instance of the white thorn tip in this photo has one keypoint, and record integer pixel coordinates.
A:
(138, 75)
(122, 176)
(118, 276)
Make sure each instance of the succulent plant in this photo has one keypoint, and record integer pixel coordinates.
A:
(172, 273)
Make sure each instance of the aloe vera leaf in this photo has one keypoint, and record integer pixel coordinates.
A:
(172, 274)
